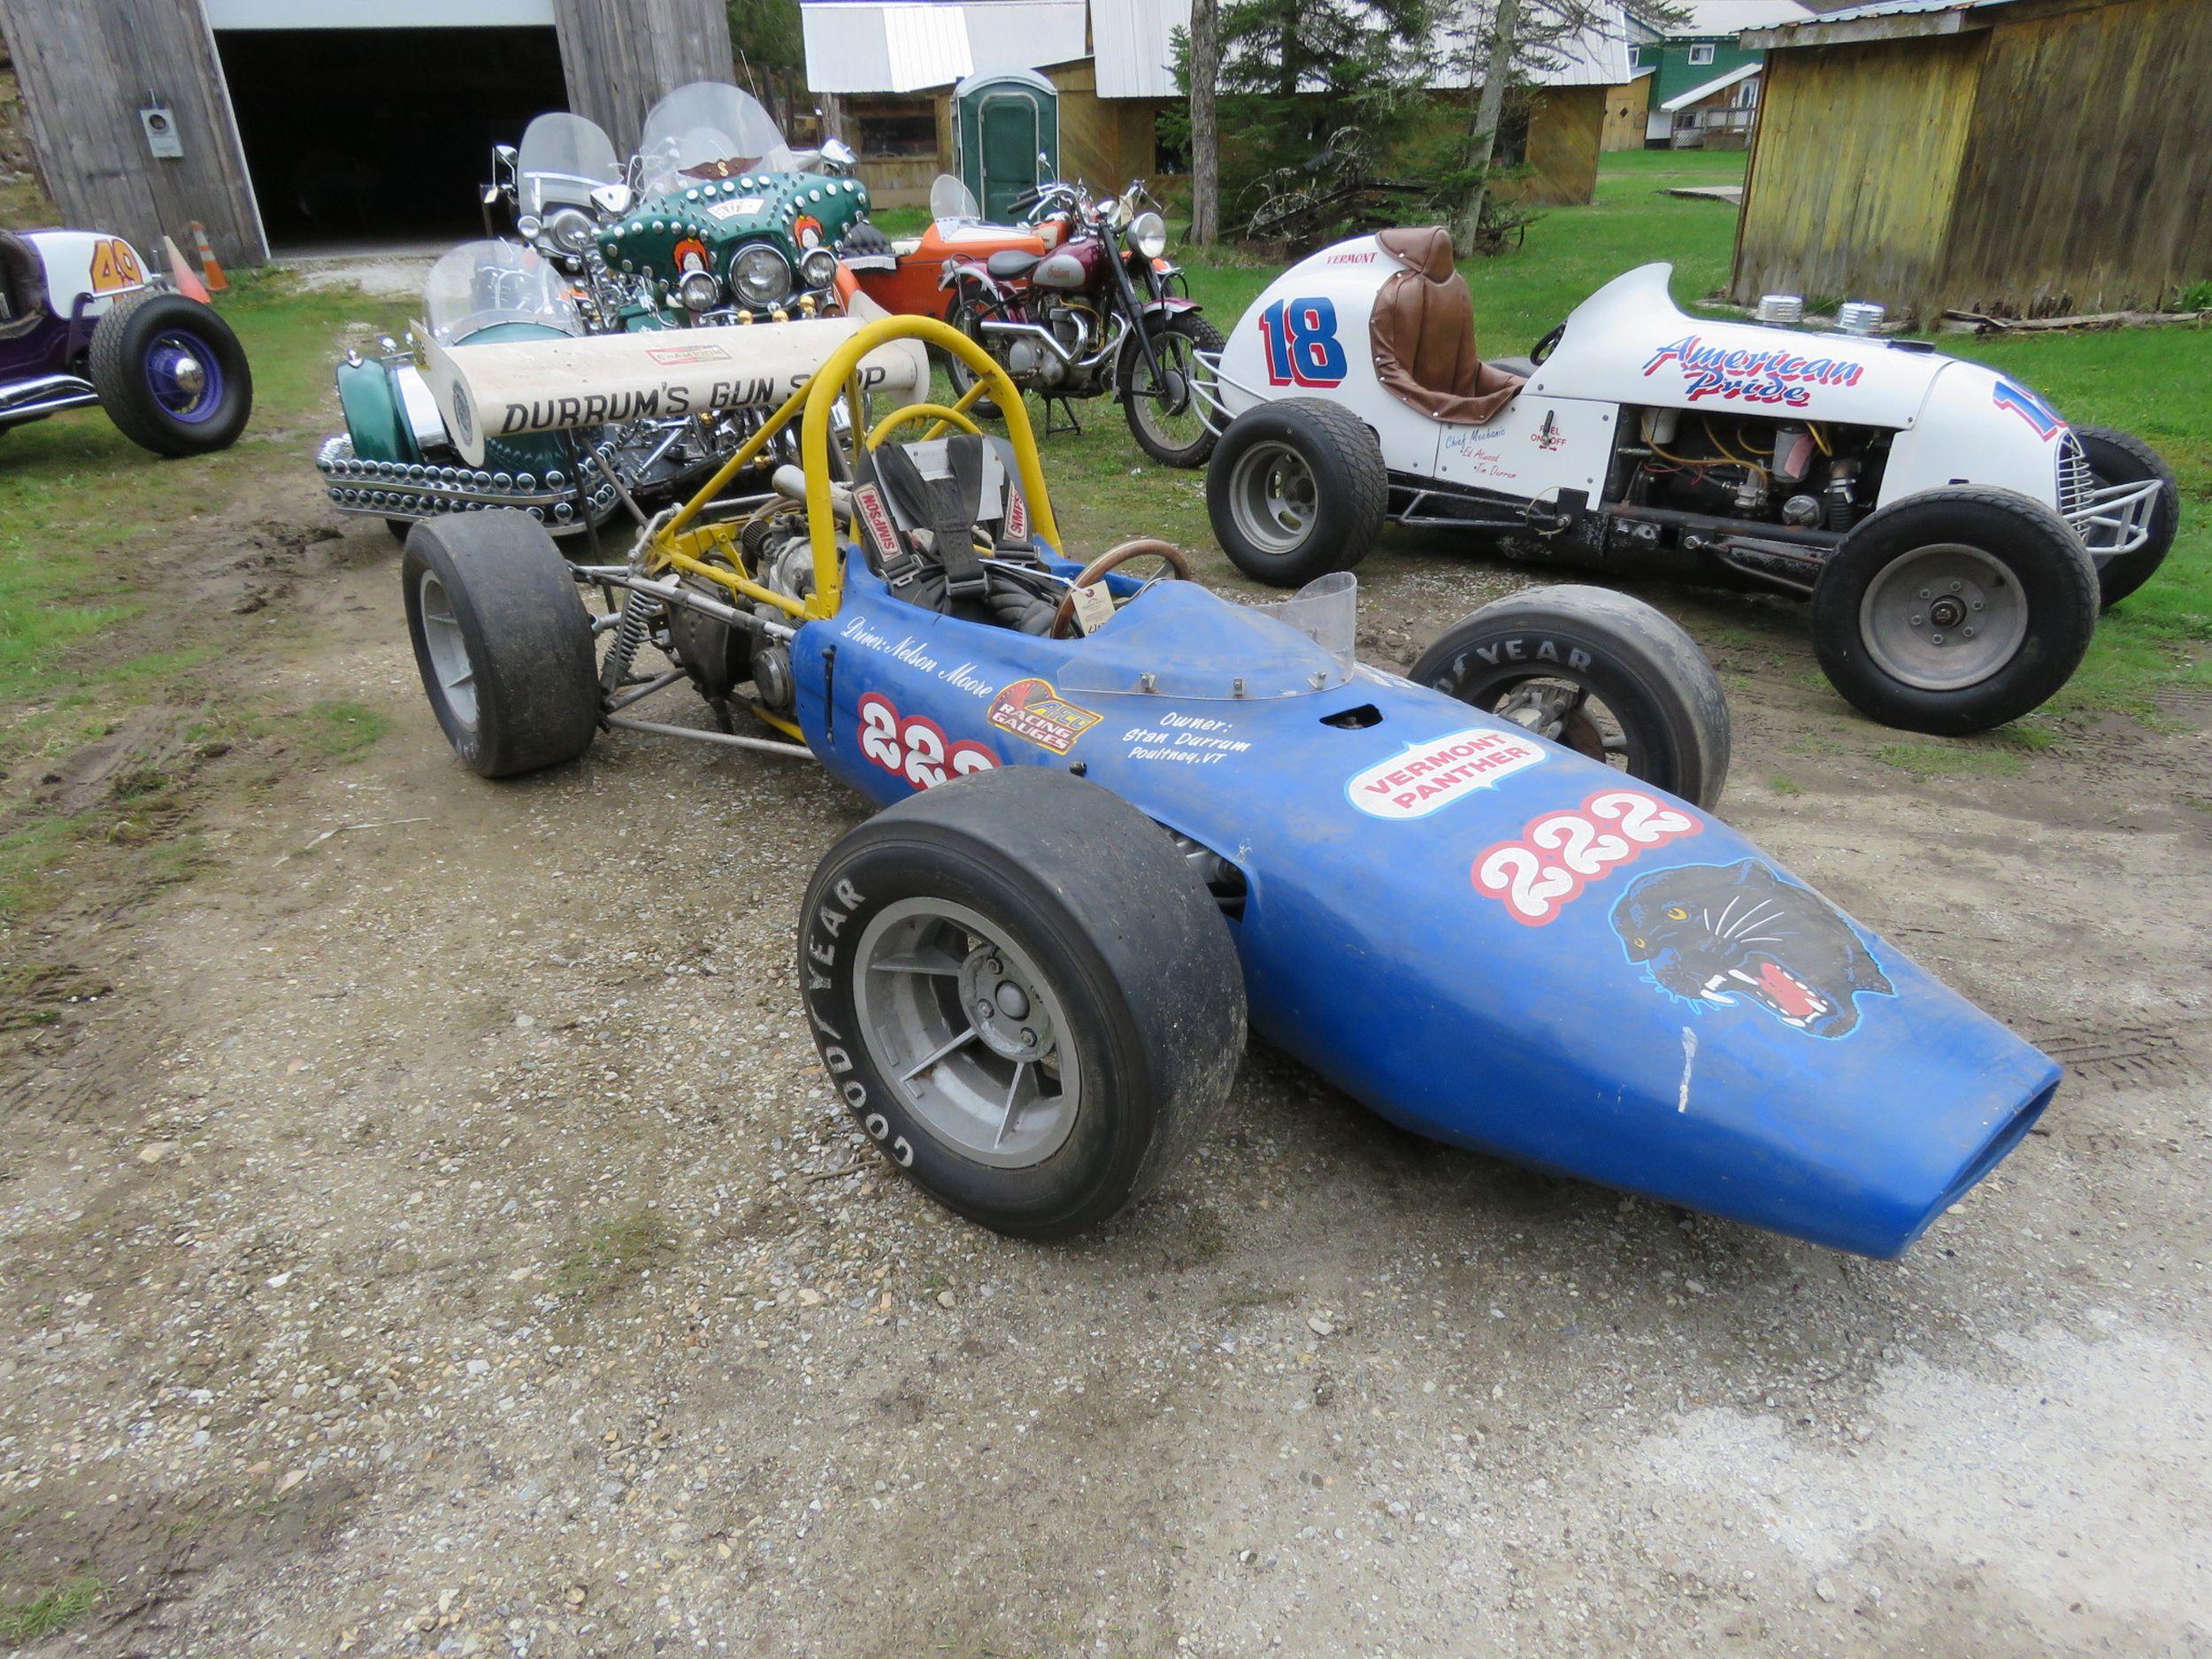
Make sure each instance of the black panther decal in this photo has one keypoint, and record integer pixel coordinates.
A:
(1722, 933)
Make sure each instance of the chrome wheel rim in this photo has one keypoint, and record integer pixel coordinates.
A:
(1272, 493)
(1942, 618)
(447, 651)
(962, 1026)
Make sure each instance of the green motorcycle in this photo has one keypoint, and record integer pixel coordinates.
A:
(727, 224)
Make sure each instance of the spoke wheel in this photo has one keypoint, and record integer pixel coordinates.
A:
(1167, 409)
(965, 1026)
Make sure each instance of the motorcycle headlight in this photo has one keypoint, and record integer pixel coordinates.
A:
(1147, 234)
(760, 275)
(569, 230)
(818, 269)
(699, 291)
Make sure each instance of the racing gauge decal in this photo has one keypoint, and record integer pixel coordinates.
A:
(914, 748)
(1559, 853)
(2047, 421)
(1423, 777)
(1033, 711)
(1302, 349)
(1731, 935)
(1771, 375)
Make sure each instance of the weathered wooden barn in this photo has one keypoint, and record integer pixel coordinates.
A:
(2018, 158)
(292, 123)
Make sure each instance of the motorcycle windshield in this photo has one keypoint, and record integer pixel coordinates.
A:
(563, 159)
(482, 283)
(709, 130)
(952, 203)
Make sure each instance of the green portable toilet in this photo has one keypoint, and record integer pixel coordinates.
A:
(1003, 118)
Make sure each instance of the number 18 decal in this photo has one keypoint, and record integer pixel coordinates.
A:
(1302, 349)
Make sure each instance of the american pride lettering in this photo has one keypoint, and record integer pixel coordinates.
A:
(1774, 374)
(1561, 853)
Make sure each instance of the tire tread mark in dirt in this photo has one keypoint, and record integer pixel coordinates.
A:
(2119, 1055)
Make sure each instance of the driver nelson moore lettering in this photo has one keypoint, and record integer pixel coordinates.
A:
(1423, 777)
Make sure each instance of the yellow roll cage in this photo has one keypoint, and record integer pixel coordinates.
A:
(711, 550)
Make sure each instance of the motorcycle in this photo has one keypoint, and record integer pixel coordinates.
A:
(1093, 309)
(730, 224)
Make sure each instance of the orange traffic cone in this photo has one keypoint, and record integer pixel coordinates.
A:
(180, 273)
(213, 274)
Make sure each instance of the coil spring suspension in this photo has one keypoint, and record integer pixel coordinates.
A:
(639, 613)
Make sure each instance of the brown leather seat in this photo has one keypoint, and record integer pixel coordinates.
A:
(1423, 334)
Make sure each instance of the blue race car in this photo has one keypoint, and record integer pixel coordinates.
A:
(1124, 818)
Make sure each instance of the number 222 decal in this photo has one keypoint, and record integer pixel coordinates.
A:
(916, 748)
(1561, 853)
(1302, 349)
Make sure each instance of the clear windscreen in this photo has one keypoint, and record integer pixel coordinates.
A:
(563, 159)
(950, 201)
(709, 130)
(1178, 641)
(481, 283)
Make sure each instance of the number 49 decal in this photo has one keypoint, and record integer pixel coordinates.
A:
(114, 265)
(1302, 349)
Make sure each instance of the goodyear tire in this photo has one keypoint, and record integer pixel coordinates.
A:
(1094, 976)
(1605, 674)
(1297, 489)
(171, 374)
(503, 641)
(2121, 457)
(1955, 610)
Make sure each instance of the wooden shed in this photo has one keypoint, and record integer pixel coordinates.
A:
(325, 122)
(2018, 157)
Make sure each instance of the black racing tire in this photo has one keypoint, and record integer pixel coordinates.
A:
(1116, 930)
(2121, 457)
(488, 593)
(132, 342)
(960, 315)
(1330, 515)
(1184, 333)
(1662, 697)
(1893, 605)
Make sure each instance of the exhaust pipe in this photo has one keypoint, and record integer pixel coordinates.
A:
(1116, 332)
(47, 394)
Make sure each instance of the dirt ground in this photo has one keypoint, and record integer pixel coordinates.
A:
(426, 1230)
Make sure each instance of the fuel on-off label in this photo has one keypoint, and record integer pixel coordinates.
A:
(1423, 778)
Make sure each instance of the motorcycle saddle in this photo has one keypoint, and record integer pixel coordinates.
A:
(1422, 331)
(1012, 262)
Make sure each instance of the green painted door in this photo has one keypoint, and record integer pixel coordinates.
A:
(1011, 134)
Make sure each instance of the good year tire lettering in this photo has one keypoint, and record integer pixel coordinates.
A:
(827, 927)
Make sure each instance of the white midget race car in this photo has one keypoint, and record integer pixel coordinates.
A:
(1957, 536)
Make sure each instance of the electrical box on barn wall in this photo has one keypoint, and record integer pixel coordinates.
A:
(161, 132)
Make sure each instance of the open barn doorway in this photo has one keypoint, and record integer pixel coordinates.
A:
(363, 138)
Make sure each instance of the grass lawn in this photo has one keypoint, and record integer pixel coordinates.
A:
(88, 628)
